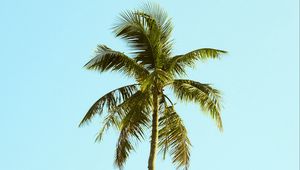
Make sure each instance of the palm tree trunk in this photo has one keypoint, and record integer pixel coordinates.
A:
(154, 136)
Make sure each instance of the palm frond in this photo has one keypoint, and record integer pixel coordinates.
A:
(124, 147)
(132, 125)
(178, 63)
(155, 15)
(111, 100)
(173, 137)
(148, 33)
(112, 119)
(118, 113)
(108, 59)
(132, 28)
(158, 78)
(204, 94)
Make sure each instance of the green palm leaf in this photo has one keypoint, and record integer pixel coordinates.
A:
(178, 63)
(111, 100)
(204, 94)
(160, 77)
(132, 27)
(173, 137)
(124, 147)
(108, 59)
(147, 31)
(136, 119)
(112, 119)
(157, 18)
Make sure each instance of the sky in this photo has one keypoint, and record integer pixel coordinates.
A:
(45, 91)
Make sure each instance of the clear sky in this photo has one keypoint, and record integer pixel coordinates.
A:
(44, 90)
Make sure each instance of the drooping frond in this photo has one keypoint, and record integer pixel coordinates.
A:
(148, 33)
(203, 94)
(137, 110)
(124, 147)
(157, 79)
(111, 100)
(108, 59)
(178, 63)
(136, 119)
(112, 119)
(173, 138)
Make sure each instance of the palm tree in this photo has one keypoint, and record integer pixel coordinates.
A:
(135, 108)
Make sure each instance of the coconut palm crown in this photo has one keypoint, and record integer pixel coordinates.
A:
(135, 108)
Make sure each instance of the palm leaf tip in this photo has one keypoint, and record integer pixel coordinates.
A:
(203, 94)
(124, 147)
(99, 51)
(107, 59)
(110, 100)
(132, 125)
(173, 137)
(177, 64)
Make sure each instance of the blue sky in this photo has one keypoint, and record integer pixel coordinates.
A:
(45, 91)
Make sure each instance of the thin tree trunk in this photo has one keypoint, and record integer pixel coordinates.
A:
(154, 136)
